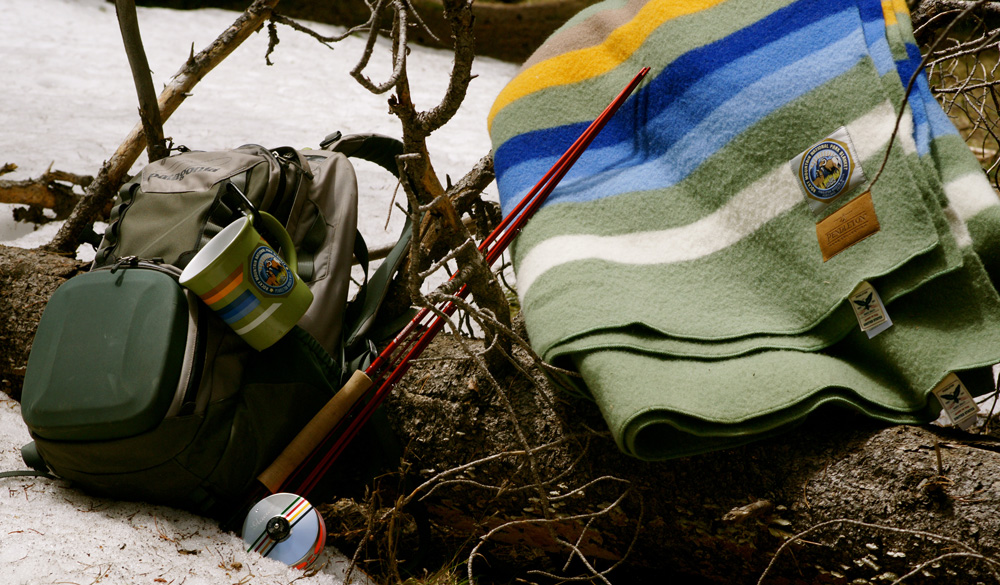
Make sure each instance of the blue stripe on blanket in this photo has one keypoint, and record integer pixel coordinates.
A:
(921, 122)
(658, 93)
(940, 124)
(922, 131)
(873, 23)
(684, 73)
(707, 88)
(712, 120)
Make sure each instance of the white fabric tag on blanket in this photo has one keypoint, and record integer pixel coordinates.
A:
(957, 402)
(869, 309)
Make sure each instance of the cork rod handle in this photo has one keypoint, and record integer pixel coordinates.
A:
(314, 432)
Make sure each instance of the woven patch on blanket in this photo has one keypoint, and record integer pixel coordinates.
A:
(828, 169)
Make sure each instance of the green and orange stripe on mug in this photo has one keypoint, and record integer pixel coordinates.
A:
(235, 303)
(247, 284)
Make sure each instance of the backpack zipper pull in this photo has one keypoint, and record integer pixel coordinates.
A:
(131, 261)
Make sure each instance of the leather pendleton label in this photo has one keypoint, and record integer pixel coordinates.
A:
(847, 226)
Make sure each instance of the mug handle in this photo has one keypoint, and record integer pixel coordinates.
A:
(272, 225)
(287, 247)
(241, 200)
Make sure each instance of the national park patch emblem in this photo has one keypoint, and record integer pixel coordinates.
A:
(269, 272)
(828, 169)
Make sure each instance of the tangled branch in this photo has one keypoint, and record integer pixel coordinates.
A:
(962, 69)
(112, 173)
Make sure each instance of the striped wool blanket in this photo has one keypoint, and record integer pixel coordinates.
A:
(678, 266)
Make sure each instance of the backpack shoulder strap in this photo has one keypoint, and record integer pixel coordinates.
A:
(38, 466)
(362, 312)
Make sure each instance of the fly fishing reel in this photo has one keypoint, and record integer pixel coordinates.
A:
(287, 528)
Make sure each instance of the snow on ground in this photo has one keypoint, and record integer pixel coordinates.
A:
(68, 100)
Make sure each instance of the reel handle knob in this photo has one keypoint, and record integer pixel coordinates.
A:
(278, 528)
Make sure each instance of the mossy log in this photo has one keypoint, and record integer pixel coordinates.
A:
(27, 280)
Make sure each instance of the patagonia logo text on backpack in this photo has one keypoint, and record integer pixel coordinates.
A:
(184, 173)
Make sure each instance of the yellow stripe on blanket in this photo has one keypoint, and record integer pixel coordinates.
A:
(902, 10)
(566, 68)
(895, 10)
(889, 12)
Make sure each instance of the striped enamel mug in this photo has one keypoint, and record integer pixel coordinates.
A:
(247, 284)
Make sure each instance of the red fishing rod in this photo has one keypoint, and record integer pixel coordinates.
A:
(314, 450)
(501, 236)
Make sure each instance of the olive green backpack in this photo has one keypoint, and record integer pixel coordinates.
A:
(136, 390)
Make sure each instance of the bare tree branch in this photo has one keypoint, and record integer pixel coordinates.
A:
(929, 10)
(48, 191)
(149, 111)
(459, 14)
(399, 27)
(962, 70)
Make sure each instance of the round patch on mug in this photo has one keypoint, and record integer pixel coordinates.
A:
(270, 273)
(826, 169)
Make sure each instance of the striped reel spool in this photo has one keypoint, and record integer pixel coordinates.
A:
(285, 527)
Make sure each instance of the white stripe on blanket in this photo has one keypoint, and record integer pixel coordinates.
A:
(970, 194)
(958, 229)
(765, 199)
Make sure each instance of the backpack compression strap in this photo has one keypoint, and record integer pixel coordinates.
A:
(31, 456)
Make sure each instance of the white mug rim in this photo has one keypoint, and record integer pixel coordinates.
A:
(213, 249)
